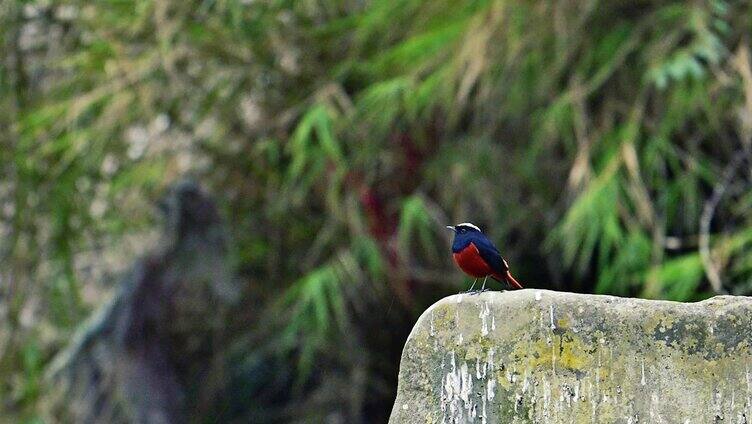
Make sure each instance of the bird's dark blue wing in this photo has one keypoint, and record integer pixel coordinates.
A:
(490, 254)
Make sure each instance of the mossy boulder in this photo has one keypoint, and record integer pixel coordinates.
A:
(535, 356)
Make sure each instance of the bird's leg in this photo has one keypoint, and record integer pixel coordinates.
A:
(472, 286)
(482, 289)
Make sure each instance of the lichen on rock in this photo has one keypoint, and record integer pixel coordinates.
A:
(535, 356)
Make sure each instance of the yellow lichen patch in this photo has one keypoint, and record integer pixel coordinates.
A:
(441, 318)
(562, 323)
(475, 350)
(563, 352)
(659, 322)
(743, 346)
(690, 344)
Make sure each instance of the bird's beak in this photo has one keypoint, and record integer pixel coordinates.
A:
(450, 227)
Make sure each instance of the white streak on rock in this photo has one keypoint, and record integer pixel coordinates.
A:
(546, 399)
(642, 381)
(553, 358)
(551, 314)
(484, 313)
(483, 416)
(491, 389)
(456, 393)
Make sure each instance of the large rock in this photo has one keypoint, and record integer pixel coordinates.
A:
(150, 355)
(546, 357)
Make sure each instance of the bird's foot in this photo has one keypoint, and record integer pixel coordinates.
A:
(479, 291)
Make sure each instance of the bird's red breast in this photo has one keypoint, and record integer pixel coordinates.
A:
(470, 261)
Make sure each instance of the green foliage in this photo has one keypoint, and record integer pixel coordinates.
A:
(341, 136)
(313, 303)
(415, 224)
(680, 276)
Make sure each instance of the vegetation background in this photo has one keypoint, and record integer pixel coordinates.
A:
(605, 145)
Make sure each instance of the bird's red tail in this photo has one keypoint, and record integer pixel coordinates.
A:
(507, 276)
(512, 282)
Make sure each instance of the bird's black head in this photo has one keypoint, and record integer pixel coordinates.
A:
(463, 235)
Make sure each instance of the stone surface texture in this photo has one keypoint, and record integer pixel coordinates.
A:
(537, 356)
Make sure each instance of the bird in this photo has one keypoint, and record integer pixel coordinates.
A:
(477, 256)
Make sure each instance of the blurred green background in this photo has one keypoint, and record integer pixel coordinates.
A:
(604, 145)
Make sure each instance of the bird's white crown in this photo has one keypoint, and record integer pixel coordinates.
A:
(469, 225)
